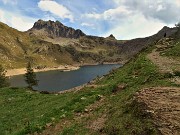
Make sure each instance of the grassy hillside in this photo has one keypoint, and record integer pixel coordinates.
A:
(46, 47)
(108, 104)
(16, 48)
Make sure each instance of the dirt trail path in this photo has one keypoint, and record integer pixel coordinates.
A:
(165, 64)
(164, 105)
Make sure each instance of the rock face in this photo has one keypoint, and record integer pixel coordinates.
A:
(56, 29)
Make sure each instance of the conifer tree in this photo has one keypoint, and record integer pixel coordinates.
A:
(3, 78)
(30, 76)
(178, 25)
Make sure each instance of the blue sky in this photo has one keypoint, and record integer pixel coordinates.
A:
(125, 19)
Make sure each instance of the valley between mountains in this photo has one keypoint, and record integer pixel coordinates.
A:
(50, 44)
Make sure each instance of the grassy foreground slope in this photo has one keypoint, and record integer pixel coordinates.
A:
(106, 107)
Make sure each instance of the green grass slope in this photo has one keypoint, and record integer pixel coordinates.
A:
(17, 48)
(24, 111)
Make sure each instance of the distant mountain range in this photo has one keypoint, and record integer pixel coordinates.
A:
(49, 44)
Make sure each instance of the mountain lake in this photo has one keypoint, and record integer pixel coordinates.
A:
(55, 81)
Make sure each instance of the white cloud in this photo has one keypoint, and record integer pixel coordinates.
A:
(93, 16)
(160, 8)
(133, 18)
(177, 2)
(110, 14)
(56, 9)
(18, 22)
(21, 23)
(87, 24)
(135, 26)
(119, 1)
(166, 11)
(2, 17)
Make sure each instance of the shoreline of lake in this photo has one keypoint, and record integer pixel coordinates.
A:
(63, 68)
(21, 71)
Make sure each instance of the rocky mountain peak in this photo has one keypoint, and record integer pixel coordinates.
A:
(111, 36)
(40, 24)
(56, 29)
(166, 31)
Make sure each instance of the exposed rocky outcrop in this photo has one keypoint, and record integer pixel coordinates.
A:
(133, 46)
(112, 36)
(55, 29)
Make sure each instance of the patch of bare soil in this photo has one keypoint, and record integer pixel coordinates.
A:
(97, 124)
(94, 124)
(93, 121)
(163, 103)
(176, 80)
(54, 130)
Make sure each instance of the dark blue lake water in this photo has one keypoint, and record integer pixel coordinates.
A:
(54, 81)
